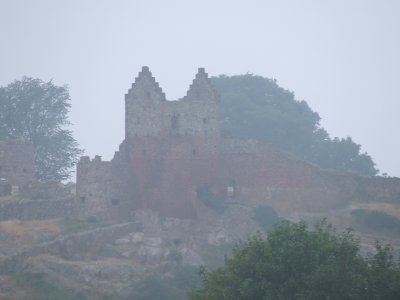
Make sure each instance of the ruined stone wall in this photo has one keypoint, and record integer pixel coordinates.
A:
(100, 190)
(168, 170)
(259, 174)
(172, 148)
(17, 162)
(143, 109)
(254, 164)
(262, 175)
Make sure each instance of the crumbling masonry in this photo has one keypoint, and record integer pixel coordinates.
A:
(17, 162)
(174, 148)
(17, 168)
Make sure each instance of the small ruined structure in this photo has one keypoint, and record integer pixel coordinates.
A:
(17, 165)
(17, 162)
(175, 149)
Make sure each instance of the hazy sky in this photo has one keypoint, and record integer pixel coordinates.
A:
(341, 56)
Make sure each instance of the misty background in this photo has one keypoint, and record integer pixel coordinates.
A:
(342, 57)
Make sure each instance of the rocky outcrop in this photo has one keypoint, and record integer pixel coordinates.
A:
(73, 246)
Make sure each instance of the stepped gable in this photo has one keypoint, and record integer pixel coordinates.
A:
(143, 106)
(145, 81)
(201, 88)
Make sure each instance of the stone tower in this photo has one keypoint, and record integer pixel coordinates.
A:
(172, 146)
(149, 114)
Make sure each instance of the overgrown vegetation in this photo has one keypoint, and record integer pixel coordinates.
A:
(295, 262)
(213, 255)
(37, 112)
(38, 288)
(257, 107)
(207, 197)
(376, 220)
(266, 217)
(172, 287)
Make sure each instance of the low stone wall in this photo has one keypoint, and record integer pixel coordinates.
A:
(36, 209)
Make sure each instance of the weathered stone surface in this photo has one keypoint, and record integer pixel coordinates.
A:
(218, 238)
(76, 246)
(107, 277)
(136, 237)
(110, 259)
(173, 148)
(152, 255)
(152, 241)
(17, 162)
(88, 241)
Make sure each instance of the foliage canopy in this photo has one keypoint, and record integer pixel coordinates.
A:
(257, 107)
(266, 217)
(296, 263)
(35, 111)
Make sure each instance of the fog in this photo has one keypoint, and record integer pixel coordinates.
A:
(342, 57)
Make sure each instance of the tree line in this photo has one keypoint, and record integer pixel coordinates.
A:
(257, 107)
(295, 262)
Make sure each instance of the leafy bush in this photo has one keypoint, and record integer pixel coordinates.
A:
(377, 220)
(208, 198)
(213, 255)
(266, 217)
(296, 263)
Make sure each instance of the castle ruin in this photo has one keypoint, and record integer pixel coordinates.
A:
(174, 148)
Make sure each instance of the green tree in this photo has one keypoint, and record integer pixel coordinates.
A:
(266, 217)
(293, 262)
(384, 275)
(35, 111)
(257, 107)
